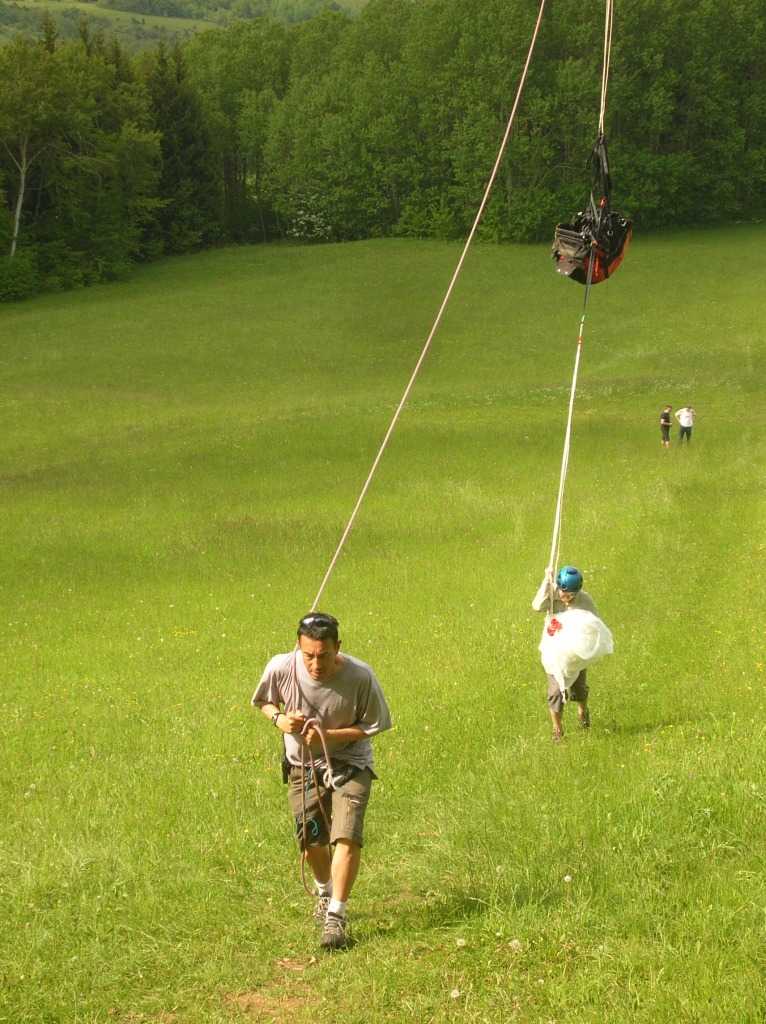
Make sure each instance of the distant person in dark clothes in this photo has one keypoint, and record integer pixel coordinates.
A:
(665, 425)
(685, 419)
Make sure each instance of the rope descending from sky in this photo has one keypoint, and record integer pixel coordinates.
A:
(439, 315)
(556, 538)
(608, 24)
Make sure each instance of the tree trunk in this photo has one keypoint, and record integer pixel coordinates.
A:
(22, 164)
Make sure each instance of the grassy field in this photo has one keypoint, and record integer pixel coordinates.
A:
(131, 29)
(109, 14)
(179, 454)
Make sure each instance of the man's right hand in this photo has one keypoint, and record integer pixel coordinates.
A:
(291, 721)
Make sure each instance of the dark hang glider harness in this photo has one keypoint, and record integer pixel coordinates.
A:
(592, 247)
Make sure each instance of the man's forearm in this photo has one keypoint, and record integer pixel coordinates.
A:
(286, 723)
(349, 734)
(269, 710)
(542, 597)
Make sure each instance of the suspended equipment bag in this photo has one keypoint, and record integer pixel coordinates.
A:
(597, 234)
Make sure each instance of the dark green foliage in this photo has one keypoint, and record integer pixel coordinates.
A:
(345, 127)
(400, 131)
(688, 111)
(239, 74)
(188, 213)
(393, 125)
(79, 161)
(18, 276)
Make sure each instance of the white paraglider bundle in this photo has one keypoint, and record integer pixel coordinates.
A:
(572, 640)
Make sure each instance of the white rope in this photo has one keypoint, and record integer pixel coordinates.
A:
(439, 315)
(557, 519)
(556, 538)
(608, 23)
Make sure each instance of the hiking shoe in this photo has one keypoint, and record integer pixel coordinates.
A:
(320, 908)
(584, 722)
(334, 935)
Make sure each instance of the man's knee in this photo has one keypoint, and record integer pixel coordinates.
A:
(555, 696)
(350, 846)
(579, 689)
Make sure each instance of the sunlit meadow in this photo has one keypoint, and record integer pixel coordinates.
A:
(180, 452)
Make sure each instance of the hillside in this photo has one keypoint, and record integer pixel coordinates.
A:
(180, 453)
(141, 23)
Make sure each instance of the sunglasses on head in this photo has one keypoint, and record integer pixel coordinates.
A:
(318, 620)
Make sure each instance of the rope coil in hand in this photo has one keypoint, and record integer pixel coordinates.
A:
(309, 770)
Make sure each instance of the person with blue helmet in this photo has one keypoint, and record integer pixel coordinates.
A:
(552, 597)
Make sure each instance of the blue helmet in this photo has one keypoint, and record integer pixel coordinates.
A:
(569, 578)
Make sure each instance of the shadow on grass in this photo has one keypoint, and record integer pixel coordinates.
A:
(417, 915)
(616, 728)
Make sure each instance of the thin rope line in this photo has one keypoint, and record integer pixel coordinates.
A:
(439, 315)
(556, 537)
(608, 23)
(557, 519)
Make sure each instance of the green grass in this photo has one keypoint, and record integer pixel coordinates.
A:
(179, 454)
(111, 15)
(131, 30)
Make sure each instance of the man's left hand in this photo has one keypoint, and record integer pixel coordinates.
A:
(312, 740)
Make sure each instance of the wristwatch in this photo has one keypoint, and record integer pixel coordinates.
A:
(275, 717)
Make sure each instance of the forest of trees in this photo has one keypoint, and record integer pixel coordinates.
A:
(341, 127)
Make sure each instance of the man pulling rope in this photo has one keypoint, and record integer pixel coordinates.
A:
(326, 704)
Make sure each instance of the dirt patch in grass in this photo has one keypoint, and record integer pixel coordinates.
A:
(266, 1006)
(164, 1017)
(283, 998)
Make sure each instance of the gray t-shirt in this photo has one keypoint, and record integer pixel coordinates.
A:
(352, 697)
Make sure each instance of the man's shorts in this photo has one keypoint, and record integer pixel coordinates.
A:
(578, 691)
(344, 807)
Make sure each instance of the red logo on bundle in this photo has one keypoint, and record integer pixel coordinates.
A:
(553, 627)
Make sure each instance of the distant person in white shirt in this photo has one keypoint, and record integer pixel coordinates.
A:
(685, 419)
